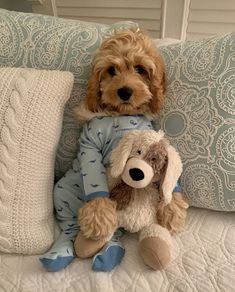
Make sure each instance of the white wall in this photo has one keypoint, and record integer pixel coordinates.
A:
(16, 5)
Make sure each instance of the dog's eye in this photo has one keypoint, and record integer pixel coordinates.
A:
(138, 152)
(139, 69)
(111, 71)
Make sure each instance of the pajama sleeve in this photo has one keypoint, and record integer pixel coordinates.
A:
(93, 172)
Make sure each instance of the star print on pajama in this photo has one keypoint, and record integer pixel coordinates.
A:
(86, 181)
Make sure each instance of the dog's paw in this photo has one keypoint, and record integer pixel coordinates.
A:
(98, 219)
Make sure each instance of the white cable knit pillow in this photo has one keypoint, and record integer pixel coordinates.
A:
(31, 113)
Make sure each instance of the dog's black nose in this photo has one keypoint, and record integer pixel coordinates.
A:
(125, 93)
(136, 174)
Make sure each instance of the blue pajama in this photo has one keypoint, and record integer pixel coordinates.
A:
(85, 181)
(98, 138)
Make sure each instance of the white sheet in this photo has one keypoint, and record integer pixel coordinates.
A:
(204, 260)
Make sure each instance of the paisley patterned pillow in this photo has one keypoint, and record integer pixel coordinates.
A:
(199, 118)
(45, 42)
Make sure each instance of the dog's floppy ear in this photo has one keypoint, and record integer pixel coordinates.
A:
(121, 153)
(158, 85)
(172, 173)
(93, 93)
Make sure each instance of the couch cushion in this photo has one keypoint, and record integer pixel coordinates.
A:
(198, 117)
(31, 110)
(45, 42)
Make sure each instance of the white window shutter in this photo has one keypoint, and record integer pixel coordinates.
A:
(147, 13)
(179, 19)
(210, 17)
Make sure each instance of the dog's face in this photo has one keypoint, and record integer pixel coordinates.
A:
(146, 163)
(128, 76)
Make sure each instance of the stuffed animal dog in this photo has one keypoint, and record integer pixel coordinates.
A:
(144, 170)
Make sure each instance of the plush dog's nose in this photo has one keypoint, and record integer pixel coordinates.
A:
(125, 93)
(136, 174)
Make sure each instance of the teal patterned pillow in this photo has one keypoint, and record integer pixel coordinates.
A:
(199, 118)
(45, 42)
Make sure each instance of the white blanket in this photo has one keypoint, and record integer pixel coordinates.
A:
(204, 260)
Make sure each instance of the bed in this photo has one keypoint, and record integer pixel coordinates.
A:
(203, 260)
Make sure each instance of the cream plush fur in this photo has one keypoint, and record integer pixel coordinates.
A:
(144, 140)
(139, 213)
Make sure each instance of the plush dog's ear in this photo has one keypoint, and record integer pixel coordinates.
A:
(121, 153)
(158, 85)
(93, 93)
(172, 173)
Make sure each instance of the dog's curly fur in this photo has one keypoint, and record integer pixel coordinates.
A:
(127, 60)
(130, 60)
(98, 218)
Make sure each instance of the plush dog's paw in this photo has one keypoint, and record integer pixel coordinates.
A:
(155, 252)
(173, 215)
(98, 219)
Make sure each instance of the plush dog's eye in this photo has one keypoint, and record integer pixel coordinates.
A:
(138, 152)
(111, 71)
(139, 69)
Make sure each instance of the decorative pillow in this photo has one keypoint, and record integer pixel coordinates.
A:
(45, 42)
(199, 118)
(31, 112)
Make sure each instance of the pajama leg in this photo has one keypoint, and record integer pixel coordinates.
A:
(110, 255)
(67, 201)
